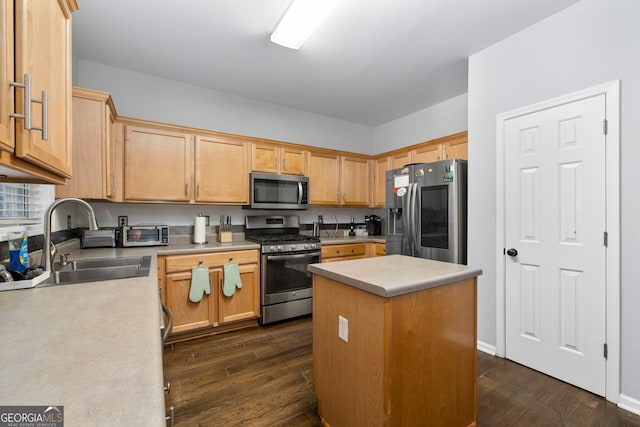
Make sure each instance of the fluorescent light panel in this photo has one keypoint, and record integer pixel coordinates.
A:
(301, 19)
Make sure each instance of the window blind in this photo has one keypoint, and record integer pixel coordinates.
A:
(20, 204)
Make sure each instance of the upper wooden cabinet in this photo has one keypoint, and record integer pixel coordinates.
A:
(355, 181)
(323, 169)
(273, 158)
(158, 165)
(336, 180)
(35, 37)
(456, 146)
(222, 175)
(94, 148)
(381, 166)
(164, 165)
(449, 147)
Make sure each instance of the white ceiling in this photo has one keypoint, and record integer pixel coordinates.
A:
(370, 62)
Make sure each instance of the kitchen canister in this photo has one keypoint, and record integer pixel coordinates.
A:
(199, 230)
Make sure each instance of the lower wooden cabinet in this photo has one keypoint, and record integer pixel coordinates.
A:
(214, 309)
(346, 251)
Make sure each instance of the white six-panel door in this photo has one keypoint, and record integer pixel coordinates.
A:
(555, 287)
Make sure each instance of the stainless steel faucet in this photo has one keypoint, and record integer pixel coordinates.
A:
(46, 250)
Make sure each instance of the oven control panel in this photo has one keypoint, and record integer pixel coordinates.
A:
(290, 247)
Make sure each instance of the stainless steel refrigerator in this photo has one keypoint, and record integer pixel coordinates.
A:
(426, 206)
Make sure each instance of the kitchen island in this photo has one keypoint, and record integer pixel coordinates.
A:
(407, 355)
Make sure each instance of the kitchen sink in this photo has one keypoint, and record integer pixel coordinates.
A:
(97, 269)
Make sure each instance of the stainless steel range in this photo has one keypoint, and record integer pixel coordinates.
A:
(285, 285)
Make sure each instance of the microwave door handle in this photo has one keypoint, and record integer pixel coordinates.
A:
(299, 192)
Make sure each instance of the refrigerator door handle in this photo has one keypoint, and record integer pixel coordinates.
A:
(415, 228)
(405, 243)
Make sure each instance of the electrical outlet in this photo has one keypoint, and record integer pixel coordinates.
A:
(68, 222)
(206, 220)
(123, 220)
(343, 329)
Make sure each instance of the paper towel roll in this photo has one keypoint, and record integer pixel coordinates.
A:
(199, 230)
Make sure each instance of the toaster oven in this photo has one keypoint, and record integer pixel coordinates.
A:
(144, 235)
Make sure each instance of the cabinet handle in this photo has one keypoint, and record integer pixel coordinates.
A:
(27, 101)
(284, 163)
(45, 116)
(167, 388)
(171, 416)
(186, 189)
(198, 191)
(344, 197)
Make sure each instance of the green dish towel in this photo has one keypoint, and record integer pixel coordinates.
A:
(231, 279)
(200, 283)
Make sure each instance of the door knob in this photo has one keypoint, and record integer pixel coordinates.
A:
(512, 252)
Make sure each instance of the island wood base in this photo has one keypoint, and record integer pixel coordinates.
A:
(410, 360)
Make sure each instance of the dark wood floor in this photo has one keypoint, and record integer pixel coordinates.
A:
(263, 377)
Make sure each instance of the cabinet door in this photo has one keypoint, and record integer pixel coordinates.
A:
(428, 154)
(245, 302)
(356, 181)
(264, 158)
(292, 161)
(6, 75)
(457, 149)
(158, 165)
(92, 147)
(189, 315)
(324, 178)
(400, 159)
(222, 175)
(43, 50)
(382, 165)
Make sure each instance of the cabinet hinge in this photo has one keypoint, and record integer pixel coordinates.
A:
(606, 239)
(606, 350)
(605, 126)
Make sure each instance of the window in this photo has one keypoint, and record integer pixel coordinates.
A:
(22, 207)
(20, 204)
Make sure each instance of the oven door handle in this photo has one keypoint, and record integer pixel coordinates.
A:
(296, 256)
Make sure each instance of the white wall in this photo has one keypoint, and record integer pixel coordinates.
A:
(440, 120)
(143, 96)
(592, 42)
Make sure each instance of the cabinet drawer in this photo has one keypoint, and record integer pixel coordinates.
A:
(381, 249)
(348, 250)
(176, 263)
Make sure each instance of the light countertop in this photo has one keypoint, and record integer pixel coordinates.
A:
(394, 275)
(94, 348)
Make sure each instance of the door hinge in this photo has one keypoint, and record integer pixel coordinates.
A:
(606, 239)
(605, 126)
(606, 350)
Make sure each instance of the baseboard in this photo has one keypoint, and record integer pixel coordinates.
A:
(629, 404)
(486, 348)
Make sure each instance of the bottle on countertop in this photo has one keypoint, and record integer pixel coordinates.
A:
(352, 229)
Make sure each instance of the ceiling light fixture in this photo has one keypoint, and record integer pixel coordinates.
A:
(301, 19)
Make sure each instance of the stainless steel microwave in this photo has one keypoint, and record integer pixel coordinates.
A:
(272, 191)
